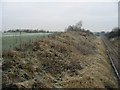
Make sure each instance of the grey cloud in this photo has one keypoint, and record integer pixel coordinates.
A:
(57, 16)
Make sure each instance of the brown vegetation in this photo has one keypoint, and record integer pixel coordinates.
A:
(68, 60)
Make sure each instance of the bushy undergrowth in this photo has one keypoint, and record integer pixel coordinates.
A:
(46, 63)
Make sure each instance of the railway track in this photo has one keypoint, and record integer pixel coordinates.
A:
(113, 57)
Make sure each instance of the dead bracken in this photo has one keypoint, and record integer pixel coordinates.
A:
(66, 60)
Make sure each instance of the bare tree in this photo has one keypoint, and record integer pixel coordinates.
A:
(79, 25)
(76, 27)
(70, 28)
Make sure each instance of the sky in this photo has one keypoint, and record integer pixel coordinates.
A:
(56, 15)
(119, 14)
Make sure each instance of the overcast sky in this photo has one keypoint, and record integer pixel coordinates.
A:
(96, 16)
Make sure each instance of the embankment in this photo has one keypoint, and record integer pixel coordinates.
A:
(67, 60)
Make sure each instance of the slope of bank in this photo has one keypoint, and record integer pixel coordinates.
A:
(68, 60)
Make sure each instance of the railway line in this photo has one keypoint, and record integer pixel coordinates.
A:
(113, 55)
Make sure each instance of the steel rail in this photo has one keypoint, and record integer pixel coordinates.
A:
(112, 61)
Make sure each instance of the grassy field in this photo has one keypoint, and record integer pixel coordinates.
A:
(11, 40)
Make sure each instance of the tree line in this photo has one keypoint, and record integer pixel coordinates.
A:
(77, 27)
(28, 31)
(114, 33)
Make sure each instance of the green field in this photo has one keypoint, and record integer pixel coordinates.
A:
(11, 40)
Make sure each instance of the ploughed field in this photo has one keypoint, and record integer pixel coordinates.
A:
(67, 60)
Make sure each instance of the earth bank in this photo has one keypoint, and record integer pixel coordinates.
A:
(68, 60)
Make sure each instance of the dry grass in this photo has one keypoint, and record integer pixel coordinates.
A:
(67, 60)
